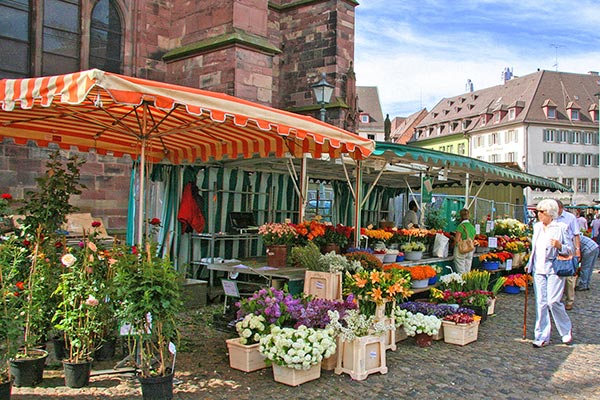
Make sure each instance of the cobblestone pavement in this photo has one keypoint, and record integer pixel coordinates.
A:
(499, 365)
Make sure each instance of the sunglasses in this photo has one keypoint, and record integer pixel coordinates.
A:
(539, 212)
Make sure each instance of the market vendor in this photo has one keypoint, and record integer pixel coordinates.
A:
(411, 219)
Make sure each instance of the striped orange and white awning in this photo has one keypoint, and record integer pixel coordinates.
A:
(119, 114)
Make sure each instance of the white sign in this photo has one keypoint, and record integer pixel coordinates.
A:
(489, 225)
(477, 229)
(172, 348)
(230, 288)
(492, 242)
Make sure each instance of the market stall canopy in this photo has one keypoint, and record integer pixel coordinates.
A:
(124, 115)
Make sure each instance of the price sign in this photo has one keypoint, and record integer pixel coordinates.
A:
(230, 288)
(492, 242)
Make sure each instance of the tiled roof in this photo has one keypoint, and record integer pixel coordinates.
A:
(404, 128)
(368, 102)
(529, 94)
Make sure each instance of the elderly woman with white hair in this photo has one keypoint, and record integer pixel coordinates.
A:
(549, 240)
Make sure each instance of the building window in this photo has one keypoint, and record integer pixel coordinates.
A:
(549, 135)
(562, 158)
(594, 185)
(549, 158)
(442, 148)
(106, 37)
(497, 117)
(461, 148)
(451, 148)
(511, 157)
(61, 37)
(574, 115)
(364, 118)
(568, 182)
(575, 159)
(587, 137)
(512, 113)
(371, 137)
(493, 138)
(494, 158)
(551, 113)
(582, 185)
(588, 159)
(510, 136)
(14, 39)
(561, 136)
(575, 137)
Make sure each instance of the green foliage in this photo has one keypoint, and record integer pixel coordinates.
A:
(148, 285)
(434, 219)
(48, 206)
(476, 280)
(306, 256)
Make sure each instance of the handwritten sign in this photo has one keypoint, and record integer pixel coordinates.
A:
(230, 288)
(492, 242)
(508, 264)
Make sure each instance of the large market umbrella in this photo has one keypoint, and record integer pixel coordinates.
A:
(157, 121)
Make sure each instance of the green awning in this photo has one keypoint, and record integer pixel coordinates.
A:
(451, 169)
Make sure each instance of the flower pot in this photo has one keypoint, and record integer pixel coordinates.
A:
(400, 334)
(413, 255)
(29, 371)
(491, 307)
(512, 289)
(106, 351)
(277, 255)
(361, 357)
(329, 363)
(294, 377)
(481, 311)
(460, 334)
(77, 375)
(400, 258)
(157, 387)
(433, 281)
(324, 285)
(60, 348)
(329, 247)
(5, 390)
(380, 257)
(420, 284)
(490, 265)
(389, 258)
(423, 339)
(243, 357)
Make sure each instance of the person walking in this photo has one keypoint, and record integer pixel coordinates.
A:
(589, 254)
(595, 225)
(465, 230)
(573, 233)
(549, 240)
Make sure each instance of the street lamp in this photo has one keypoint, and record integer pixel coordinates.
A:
(323, 91)
(597, 114)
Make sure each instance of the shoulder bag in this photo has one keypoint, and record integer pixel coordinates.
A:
(564, 265)
(467, 245)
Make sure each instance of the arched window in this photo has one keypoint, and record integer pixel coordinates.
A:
(106, 37)
(14, 39)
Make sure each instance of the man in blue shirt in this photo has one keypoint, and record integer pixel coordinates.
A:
(573, 231)
(589, 254)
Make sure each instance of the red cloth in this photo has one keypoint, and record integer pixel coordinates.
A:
(189, 213)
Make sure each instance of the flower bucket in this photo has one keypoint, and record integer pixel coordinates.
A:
(490, 265)
(420, 284)
(277, 255)
(5, 390)
(380, 257)
(77, 375)
(512, 289)
(460, 334)
(29, 371)
(389, 258)
(413, 255)
(294, 377)
(433, 281)
(423, 339)
(399, 258)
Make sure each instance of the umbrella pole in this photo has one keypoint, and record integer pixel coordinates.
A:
(525, 312)
(141, 210)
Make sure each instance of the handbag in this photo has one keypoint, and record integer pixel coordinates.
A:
(564, 265)
(466, 246)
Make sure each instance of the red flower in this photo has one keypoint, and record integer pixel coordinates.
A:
(26, 242)
(7, 196)
(58, 245)
(134, 250)
(96, 224)
(20, 285)
(155, 221)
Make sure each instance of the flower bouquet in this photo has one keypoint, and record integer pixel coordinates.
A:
(274, 234)
(354, 325)
(252, 328)
(413, 246)
(420, 272)
(453, 282)
(377, 287)
(510, 227)
(520, 280)
(366, 259)
(310, 231)
(492, 256)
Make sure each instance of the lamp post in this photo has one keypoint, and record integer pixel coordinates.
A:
(322, 91)
(598, 117)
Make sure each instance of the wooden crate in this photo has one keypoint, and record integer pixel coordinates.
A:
(324, 285)
(329, 364)
(361, 357)
(400, 334)
(245, 358)
(460, 334)
(295, 377)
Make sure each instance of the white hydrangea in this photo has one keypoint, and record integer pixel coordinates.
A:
(419, 323)
(251, 328)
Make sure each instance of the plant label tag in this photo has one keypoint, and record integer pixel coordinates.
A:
(477, 229)
(172, 348)
(492, 242)
(373, 354)
(319, 285)
(508, 264)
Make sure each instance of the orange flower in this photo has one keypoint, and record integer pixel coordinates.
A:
(360, 282)
(375, 277)
(376, 294)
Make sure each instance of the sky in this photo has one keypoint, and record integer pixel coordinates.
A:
(416, 52)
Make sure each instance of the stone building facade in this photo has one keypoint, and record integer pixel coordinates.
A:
(269, 52)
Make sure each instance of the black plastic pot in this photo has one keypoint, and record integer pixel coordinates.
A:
(5, 390)
(157, 387)
(106, 351)
(60, 348)
(29, 371)
(77, 375)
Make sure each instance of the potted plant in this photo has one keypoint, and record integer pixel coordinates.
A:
(361, 344)
(453, 282)
(323, 278)
(491, 261)
(413, 250)
(77, 314)
(296, 353)
(336, 238)
(420, 275)
(310, 231)
(514, 283)
(460, 328)
(422, 326)
(149, 294)
(377, 289)
(243, 350)
(277, 237)
(12, 257)
(277, 306)
(365, 257)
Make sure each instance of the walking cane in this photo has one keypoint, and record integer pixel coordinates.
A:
(525, 309)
